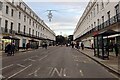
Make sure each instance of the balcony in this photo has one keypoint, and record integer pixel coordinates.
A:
(7, 31)
(108, 23)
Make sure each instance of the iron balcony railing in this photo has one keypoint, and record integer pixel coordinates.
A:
(7, 31)
(111, 21)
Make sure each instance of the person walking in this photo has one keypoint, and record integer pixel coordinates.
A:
(77, 45)
(8, 49)
(45, 45)
(72, 45)
(116, 49)
(12, 49)
(82, 45)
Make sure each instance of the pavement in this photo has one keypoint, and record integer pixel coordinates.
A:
(112, 64)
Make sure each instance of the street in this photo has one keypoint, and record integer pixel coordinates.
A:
(54, 62)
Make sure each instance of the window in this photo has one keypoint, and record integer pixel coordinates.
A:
(102, 5)
(102, 21)
(25, 8)
(30, 21)
(12, 12)
(33, 32)
(98, 22)
(97, 8)
(24, 18)
(33, 23)
(1, 4)
(12, 1)
(6, 25)
(7, 9)
(94, 24)
(29, 30)
(19, 15)
(24, 29)
(36, 33)
(108, 13)
(18, 27)
(94, 12)
(117, 9)
(0, 22)
(20, 4)
(11, 28)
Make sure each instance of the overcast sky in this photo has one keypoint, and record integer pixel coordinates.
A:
(66, 16)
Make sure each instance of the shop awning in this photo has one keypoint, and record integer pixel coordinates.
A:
(11, 37)
(32, 40)
(108, 33)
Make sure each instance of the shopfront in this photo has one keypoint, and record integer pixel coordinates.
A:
(34, 44)
(103, 45)
(10, 39)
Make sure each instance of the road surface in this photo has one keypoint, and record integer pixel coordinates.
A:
(54, 62)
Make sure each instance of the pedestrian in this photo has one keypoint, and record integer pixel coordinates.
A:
(8, 49)
(116, 49)
(12, 49)
(24, 46)
(77, 45)
(82, 45)
(45, 45)
(72, 45)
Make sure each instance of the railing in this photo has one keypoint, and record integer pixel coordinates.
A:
(7, 31)
(107, 23)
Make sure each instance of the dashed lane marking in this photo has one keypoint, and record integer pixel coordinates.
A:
(31, 60)
(7, 67)
(19, 71)
(21, 65)
(43, 58)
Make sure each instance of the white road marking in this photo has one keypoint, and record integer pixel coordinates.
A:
(19, 71)
(31, 60)
(64, 72)
(20, 65)
(51, 68)
(35, 72)
(81, 72)
(58, 73)
(7, 67)
(43, 58)
(1, 77)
